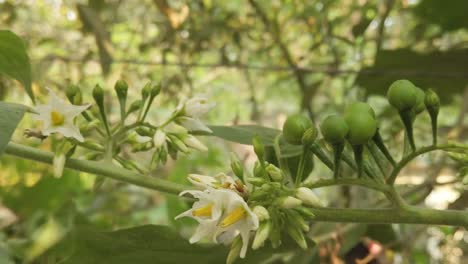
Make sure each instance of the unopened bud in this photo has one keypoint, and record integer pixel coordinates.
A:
(71, 91)
(432, 101)
(135, 106)
(256, 181)
(194, 143)
(179, 144)
(235, 250)
(258, 170)
(142, 146)
(236, 166)
(121, 89)
(258, 146)
(263, 232)
(144, 131)
(261, 212)
(296, 234)
(290, 202)
(308, 197)
(159, 138)
(98, 95)
(155, 89)
(146, 91)
(275, 173)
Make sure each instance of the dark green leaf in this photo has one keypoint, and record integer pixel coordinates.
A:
(14, 60)
(10, 116)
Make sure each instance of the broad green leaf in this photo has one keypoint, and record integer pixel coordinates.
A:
(10, 116)
(243, 134)
(14, 60)
(149, 244)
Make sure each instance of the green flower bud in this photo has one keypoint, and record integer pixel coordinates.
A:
(258, 146)
(258, 170)
(71, 91)
(155, 89)
(275, 173)
(179, 144)
(135, 106)
(139, 147)
(334, 129)
(235, 250)
(296, 234)
(236, 166)
(305, 212)
(309, 137)
(297, 219)
(256, 181)
(146, 91)
(144, 131)
(295, 127)
(402, 95)
(263, 232)
(289, 202)
(121, 89)
(98, 95)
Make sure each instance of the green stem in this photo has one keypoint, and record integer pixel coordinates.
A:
(348, 181)
(391, 179)
(407, 117)
(378, 140)
(300, 169)
(338, 149)
(99, 168)
(407, 215)
(281, 161)
(321, 155)
(375, 155)
(434, 128)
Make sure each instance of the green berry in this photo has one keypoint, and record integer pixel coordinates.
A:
(334, 129)
(360, 107)
(419, 107)
(362, 127)
(402, 95)
(294, 128)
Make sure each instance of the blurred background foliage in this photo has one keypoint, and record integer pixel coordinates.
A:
(259, 61)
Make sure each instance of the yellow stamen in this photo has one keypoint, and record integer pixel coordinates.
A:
(203, 211)
(236, 215)
(57, 118)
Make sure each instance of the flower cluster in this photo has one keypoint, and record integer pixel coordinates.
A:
(112, 140)
(262, 203)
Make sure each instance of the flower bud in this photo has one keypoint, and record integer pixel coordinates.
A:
(145, 146)
(296, 234)
(121, 89)
(256, 181)
(235, 250)
(263, 232)
(194, 143)
(261, 212)
(290, 202)
(173, 128)
(98, 95)
(146, 91)
(305, 212)
(294, 128)
(71, 91)
(275, 173)
(155, 89)
(135, 106)
(432, 102)
(258, 170)
(308, 197)
(236, 166)
(179, 144)
(144, 131)
(298, 220)
(258, 146)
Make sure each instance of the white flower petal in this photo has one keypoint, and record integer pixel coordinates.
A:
(194, 143)
(69, 130)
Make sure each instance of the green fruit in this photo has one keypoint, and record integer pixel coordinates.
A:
(294, 128)
(420, 106)
(402, 95)
(360, 107)
(334, 129)
(362, 127)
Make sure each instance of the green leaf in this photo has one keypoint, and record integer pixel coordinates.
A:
(243, 134)
(148, 244)
(14, 60)
(10, 116)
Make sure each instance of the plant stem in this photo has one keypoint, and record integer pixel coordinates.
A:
(407, 215)
(99, 168)
(391, 179)
(300, 169)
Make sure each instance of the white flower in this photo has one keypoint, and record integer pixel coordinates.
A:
(193, 124)
(196, 106)
(261, 212)
(57, 117)
(222, 215)
(308, 197)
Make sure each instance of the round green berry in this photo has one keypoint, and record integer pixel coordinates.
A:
(360, 107)
(294, 128)
(402, 95)
(334, 129)
(420, 106)
(362, 127)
